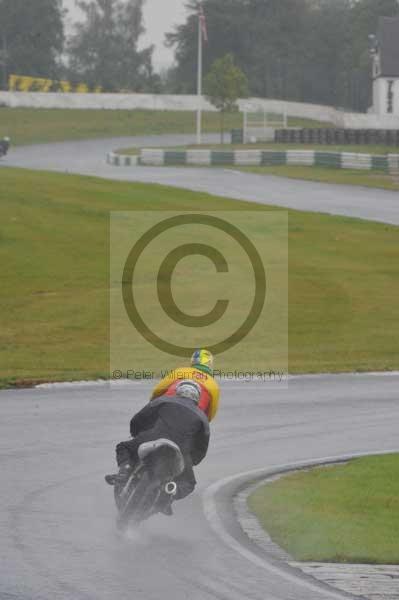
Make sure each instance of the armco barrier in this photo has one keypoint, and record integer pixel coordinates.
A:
(337, 160)
(363, 137)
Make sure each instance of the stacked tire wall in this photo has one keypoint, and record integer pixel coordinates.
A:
(353, 137)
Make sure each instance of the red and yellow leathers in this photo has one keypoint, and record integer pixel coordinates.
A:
(209, 400)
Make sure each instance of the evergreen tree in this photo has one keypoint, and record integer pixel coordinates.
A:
(104, 49)
(306, 50)
(31, 38)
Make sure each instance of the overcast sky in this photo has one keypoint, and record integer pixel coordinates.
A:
(159, 16)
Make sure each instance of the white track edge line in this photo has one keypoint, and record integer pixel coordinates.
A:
(121, 382)
(210, 510)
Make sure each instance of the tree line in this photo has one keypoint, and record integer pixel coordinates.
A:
(304, 50)
(301, 50)
(102, 51)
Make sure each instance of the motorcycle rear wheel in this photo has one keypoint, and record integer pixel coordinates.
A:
(133, 510)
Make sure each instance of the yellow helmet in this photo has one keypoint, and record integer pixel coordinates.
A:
(203, 360)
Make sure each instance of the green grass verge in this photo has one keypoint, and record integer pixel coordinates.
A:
(343, 278)
(130, 151)
(373, 179)
(30, 126)
(347, 513)
(274, 146)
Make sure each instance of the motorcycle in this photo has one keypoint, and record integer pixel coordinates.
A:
(150, 487)
(4, 146)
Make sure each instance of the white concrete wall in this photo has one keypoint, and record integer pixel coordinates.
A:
(155, 102)
(189, 103)
(370, 121)
(101, 101)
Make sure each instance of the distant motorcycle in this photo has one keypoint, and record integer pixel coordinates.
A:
(4, 146)
(150, 487)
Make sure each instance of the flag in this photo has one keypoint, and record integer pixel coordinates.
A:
(202, 20)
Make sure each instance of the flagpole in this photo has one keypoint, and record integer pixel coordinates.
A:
(199, 83)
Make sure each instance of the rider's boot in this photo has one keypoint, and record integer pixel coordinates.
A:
(121, 476)
(167, 509)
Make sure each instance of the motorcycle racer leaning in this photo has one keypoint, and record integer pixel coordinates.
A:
(4, 146)
(180, 409)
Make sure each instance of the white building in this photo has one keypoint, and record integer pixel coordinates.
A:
(385, 56)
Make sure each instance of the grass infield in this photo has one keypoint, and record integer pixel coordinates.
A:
(32, 126)
(343, 279)
(346, 513)
(373, 179)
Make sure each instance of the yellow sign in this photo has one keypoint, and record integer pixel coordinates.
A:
(20, 83)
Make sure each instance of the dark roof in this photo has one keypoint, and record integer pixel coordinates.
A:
(388, 38)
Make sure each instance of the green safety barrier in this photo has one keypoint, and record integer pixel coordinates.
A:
(380, 163)
(172, 157)
(335, 160)
(328, 159)
(273, 158)
(222, 158)
(237, 136)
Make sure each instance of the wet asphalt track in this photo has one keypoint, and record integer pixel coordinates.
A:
(89, 158)
(57, 535)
